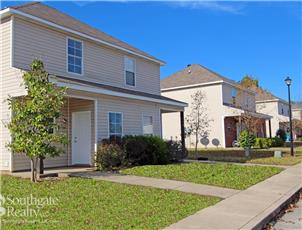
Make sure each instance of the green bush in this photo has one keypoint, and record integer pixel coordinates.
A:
(109, 157)
(175, 150)
(277, 142)
(142, 150)
(265, 143)
(281, 134)
(246, 139)
(137, 150)
(157, 148)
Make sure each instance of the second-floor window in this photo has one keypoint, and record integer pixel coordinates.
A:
(130, 71)
(234, 94)
(75, 56)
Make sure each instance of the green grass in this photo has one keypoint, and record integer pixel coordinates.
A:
(224, 175)
(257, 157)
(91, 204)
(286, 160)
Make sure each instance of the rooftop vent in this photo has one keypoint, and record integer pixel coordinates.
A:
(189, 70)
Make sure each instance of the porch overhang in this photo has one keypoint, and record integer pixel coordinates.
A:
(99, 88)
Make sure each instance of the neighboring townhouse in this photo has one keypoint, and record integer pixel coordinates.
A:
(113, 87)
(297, 111)
(226, 102)
(297, 119)
(276, 107)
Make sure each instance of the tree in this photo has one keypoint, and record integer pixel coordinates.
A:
(249, 82)
(197, 120)
(32, 126)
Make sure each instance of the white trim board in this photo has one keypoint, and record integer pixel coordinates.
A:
(10, 11)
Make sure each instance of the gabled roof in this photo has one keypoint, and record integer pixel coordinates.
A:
(265, 95)
(52, 15)
(192, 75)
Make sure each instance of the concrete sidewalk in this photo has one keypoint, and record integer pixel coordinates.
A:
(160, 183)
(249, 208)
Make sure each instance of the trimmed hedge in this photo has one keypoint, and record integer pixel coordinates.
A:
(137, 150)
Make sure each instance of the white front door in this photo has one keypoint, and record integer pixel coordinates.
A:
(81, 138)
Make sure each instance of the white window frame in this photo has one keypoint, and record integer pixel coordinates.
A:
(147, 115)
(125, 79)
(82, 60)
(108, 122)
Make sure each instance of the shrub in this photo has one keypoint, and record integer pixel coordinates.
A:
(258, 143)
(281, 134)
(157, 148)
(109, 156)
(142, 150)
(135, 150)
(175, 150)
(246, 139)
(277, 142)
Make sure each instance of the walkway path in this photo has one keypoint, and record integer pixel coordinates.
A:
(160, 183)
(250, 208)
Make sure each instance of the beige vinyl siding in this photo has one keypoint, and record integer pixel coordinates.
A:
(10, 81)
(100, 64)
(132, 111)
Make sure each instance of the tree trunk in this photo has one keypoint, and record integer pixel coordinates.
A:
(196, 143)
(33, 174)
(37, 169)
(41, 168)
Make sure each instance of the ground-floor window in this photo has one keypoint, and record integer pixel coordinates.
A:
(147, 125)
(115, 125)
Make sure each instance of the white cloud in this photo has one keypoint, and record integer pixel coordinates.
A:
(228, 7)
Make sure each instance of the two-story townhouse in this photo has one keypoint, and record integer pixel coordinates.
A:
(276, 107)
(297, 110)
(113, 88)
(225, 101)
(297, 119)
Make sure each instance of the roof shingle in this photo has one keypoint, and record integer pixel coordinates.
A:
(191, 75)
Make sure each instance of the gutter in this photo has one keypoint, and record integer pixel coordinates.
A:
(9, 11)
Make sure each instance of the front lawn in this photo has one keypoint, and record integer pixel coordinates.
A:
(223, 175)
(91, 204)
(285, 160)
(258, 156)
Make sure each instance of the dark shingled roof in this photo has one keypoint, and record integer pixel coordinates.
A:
(50, 14)
(191, 75)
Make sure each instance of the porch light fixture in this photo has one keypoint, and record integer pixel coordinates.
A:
(288, 82)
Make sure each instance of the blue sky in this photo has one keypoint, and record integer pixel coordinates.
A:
(262, 39)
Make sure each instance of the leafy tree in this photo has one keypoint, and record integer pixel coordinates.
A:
(197, 120)
(249, 82)
(32, 126)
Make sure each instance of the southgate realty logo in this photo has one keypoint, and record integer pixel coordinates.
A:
(28, 206)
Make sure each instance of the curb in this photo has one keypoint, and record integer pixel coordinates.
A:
(259, 222)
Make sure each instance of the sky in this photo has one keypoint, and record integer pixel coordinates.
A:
(262, 39)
